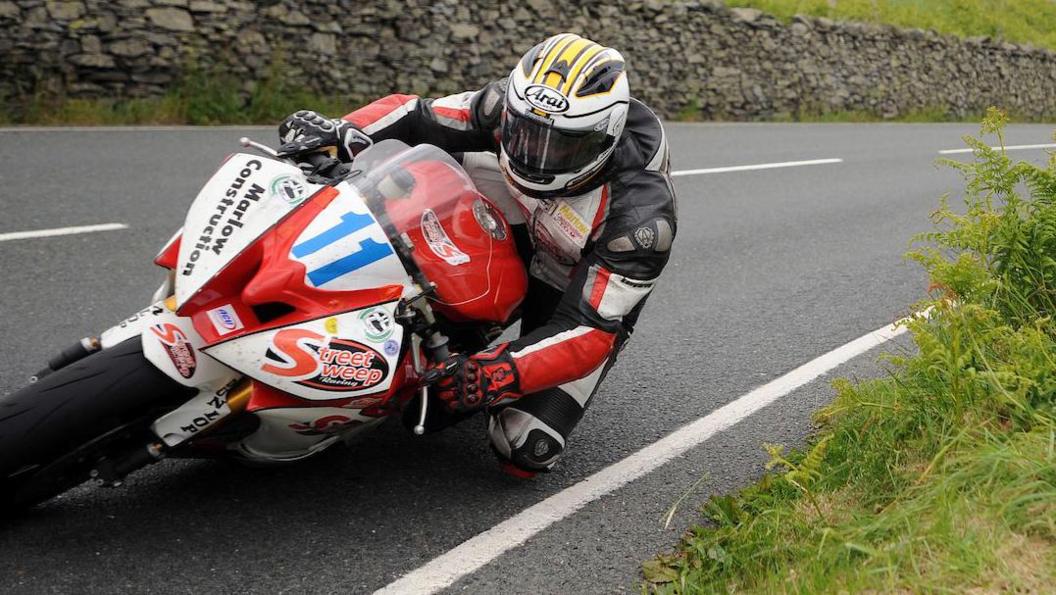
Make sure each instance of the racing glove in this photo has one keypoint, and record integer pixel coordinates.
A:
(470, 383)
(306, 131)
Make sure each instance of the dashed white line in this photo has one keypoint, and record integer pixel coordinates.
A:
(1008, 148)
(60, 231)
(722, 170)
(473, 554)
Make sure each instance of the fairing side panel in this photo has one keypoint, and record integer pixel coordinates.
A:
(289, 434)
(171, 343)
(352, 354)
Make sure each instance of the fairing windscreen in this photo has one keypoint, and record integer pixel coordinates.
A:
(456, 239)
(537, 147)
(409, 189)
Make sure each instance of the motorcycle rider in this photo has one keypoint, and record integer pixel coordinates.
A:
(580, 168)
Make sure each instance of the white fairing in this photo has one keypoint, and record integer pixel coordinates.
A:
(174, 347)
(171, 343)
(345, 248)
(129, 327)
(243, 199)
(336, 357)
(288, 434)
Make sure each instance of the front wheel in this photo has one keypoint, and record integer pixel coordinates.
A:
(55, 431)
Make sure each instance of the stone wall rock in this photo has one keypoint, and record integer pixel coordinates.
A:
(692, 57)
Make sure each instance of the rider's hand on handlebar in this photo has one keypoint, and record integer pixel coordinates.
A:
(468, 383)
(306, 132)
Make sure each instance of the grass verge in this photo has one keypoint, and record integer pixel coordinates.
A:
(942, 476)
(1019, 21)
(199, 98)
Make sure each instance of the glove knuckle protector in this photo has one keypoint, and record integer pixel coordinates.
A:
(482, 380)
(306, 131)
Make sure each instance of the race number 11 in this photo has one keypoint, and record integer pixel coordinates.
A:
(369, 251)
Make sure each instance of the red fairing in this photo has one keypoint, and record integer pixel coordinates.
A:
(478, 273)
(170, 254)
(264, 273)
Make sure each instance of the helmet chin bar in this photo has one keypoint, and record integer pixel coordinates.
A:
(569, 188)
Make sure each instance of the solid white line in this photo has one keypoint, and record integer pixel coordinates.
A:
(60, 231)
(1009, 148)
(473, 554)
(722, 170)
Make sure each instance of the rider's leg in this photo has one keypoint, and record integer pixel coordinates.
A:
(532, 432)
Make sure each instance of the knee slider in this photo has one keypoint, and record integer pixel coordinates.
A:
(524, 439)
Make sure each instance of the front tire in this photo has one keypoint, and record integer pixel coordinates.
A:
(54, 431)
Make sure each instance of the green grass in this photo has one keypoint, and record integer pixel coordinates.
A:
(197, 98)
(1020, 21)
(940, 477)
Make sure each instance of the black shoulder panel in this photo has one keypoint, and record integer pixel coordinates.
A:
(486, 105)
(643, 144)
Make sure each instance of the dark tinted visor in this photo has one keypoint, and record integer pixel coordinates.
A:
(536, 146)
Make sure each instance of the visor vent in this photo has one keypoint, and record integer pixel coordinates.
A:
(601, 79)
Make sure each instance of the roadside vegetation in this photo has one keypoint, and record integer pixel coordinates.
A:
(941, 476)
(199, 98)
(206, 98)
(1018, 21)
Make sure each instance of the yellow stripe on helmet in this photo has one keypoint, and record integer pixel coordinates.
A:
(550, 58)
(579, 64)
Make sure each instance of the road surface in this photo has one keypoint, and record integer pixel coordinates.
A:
(771, 268)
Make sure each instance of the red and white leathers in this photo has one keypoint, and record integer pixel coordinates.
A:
(594, 257)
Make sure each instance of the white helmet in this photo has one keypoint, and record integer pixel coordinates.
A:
(566, 104)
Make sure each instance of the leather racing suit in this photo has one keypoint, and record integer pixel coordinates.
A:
(592, 258)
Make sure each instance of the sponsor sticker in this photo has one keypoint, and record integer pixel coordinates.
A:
(289, 189)
(225, 319)
(570, 221)
(324, 363)
(391, 347)
(377, 324)
(178, 347)
(228, 217)
(439, 243)
(546, 99)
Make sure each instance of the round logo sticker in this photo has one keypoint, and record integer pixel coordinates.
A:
(289, 189)
(377, 324)
(391, 347)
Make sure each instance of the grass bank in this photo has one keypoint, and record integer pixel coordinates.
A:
(942, 476)
(198, 98)
(1019, 21)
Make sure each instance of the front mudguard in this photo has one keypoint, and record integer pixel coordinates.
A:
(172, 345)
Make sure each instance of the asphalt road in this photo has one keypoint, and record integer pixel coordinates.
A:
(770, 269)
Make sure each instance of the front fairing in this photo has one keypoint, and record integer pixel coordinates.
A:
(460, 242)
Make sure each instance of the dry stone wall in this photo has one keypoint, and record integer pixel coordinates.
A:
(686, 57)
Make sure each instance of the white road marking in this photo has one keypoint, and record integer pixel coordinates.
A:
(722, 170)
(1009, 148)
(474, 553)
(60, 231)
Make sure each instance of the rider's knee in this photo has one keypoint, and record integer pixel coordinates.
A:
(525, 440)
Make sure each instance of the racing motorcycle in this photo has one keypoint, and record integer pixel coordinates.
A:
(303, 303)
